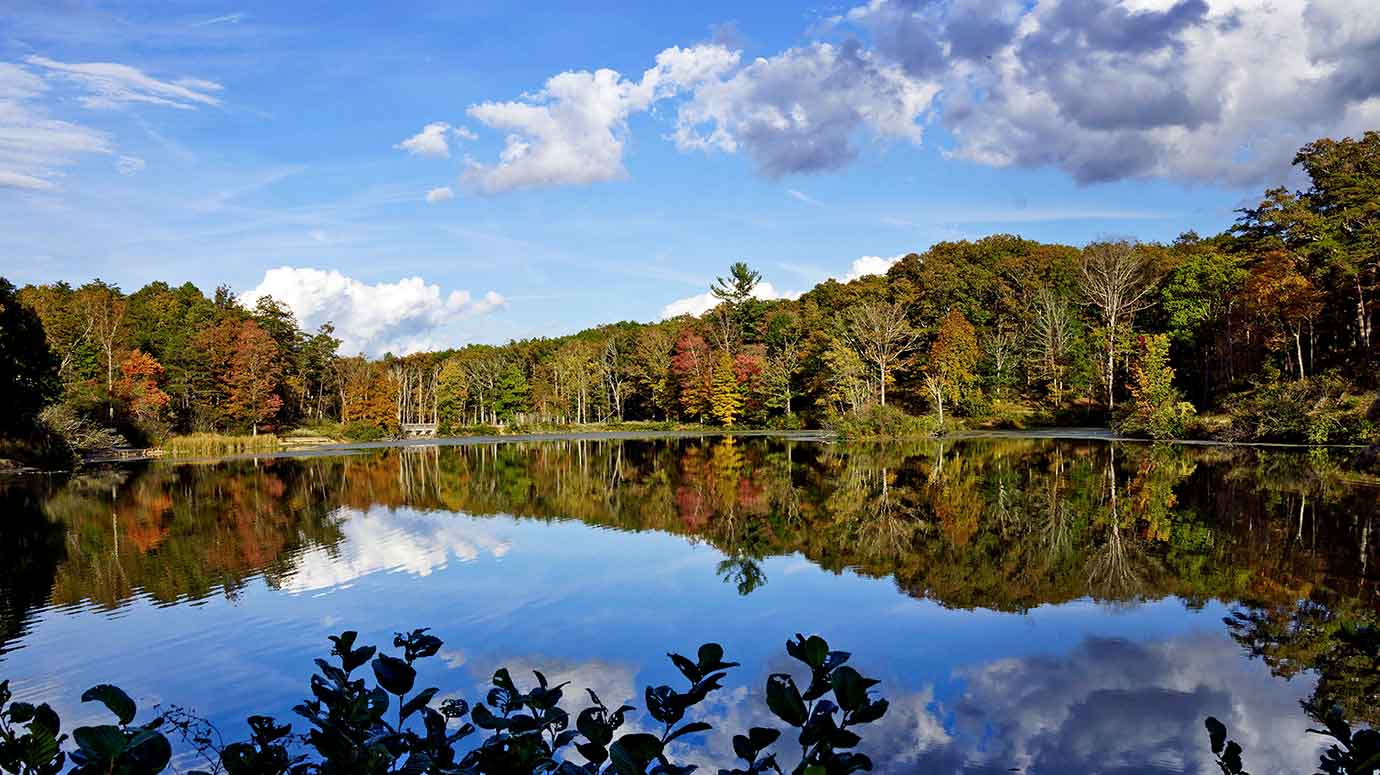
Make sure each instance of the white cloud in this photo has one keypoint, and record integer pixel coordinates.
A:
(112, 85)
(699, 304)
(129, 165)
(442, 194)
(10, 179)
(801, 196)
(866, 266)
(433, 141)
(389, 540)
(33, 146)
(573, 130)
(1218, 91)
(801, 110)
(229, 18)
(402, 317)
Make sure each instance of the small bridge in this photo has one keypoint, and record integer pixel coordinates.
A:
(412, 430)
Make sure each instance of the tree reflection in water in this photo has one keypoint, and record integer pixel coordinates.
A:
(1001, 524)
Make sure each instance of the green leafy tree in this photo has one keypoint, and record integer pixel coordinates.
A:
(952, 358)
(452, 395)
(1157, 407)
(1198, 299)
(511, 393)
(28, 369)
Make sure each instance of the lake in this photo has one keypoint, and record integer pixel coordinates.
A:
(1041, 605)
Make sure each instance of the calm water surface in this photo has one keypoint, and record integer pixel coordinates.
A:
(1043, 605)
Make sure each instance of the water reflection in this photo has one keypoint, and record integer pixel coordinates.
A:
(1060, 606)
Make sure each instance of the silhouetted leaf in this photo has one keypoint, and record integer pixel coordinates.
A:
(1232, 757)
(418, 701)
(873, 710)
(631, 754)
(689, 729)
(114, 698)
(485, 719)
(394, 675)
(102, 743)
(689, 669)
(850, 688)
(1217, 733)
(784, 699)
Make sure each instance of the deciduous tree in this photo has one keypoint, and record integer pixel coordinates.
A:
(254, 377)
(954, 354)
(883, 337)
(1115, 278)
(726, 398)
(138, 387)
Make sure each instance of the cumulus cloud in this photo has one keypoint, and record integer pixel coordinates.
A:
(866, 266)
(389, 540)
(433, 142)
(801, 110)
(442, 194)
(1112, 705)
(112, 85)
(573, 131)
(1219, 91)
(1205, 90)
(401, 317)
(701, 303)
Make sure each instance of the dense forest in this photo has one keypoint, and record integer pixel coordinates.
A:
(1262, 332)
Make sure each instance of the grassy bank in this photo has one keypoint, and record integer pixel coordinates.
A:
(204, 444)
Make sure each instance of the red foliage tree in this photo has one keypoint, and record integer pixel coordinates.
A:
(693, 367)
(138, 387)
(254, 377)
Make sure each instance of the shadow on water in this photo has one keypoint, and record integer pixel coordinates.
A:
(1281, 541)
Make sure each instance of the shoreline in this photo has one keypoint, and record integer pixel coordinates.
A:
(819, 435)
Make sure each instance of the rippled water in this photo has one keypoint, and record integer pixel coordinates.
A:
(1043, 605)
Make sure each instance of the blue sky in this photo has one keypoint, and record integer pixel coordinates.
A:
(215, 142)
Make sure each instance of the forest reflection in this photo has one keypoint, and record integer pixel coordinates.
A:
(1282, 539)
(1004, 524)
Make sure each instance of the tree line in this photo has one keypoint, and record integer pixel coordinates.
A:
(1265, 331)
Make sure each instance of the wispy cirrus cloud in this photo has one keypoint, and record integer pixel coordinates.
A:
(112, 85)
(33, 145)
(229, 18)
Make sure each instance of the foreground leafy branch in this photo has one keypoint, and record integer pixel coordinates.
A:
(392, 726)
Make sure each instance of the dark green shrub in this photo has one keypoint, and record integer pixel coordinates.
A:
(881, 422)
(358, 431)
(1317, 410)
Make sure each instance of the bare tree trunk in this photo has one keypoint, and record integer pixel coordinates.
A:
(1111, 367)
(1298, 349)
